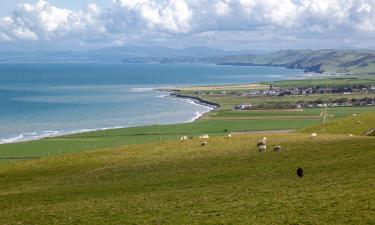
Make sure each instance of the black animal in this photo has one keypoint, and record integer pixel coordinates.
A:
(300, 172)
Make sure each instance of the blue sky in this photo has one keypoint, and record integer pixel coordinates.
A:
(224, 24)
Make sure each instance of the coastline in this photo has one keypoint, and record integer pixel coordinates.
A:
(170, 94)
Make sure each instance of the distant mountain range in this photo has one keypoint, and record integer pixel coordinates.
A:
(328, 60)
(130, 54)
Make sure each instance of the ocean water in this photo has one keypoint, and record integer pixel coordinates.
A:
(40, 100)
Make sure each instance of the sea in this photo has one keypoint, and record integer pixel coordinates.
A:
(43, 100)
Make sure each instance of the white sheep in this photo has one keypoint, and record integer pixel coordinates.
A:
(262, 148)
(229, 136)
(313, 135)
(183, 138)
(204, 136)
(350, 135)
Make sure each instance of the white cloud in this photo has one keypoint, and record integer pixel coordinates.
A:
(176, 20)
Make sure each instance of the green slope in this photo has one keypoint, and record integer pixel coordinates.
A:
(225, 182)
(354, 124)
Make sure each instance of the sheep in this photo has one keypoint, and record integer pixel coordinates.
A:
(354, 114)
(183, 138)
(300, 172)
(350, 135)
(359, 122)
(229, 136)
(262, 148)
(204, 136)
(262, 142)
(277, 148)
(313, 135)
(204, 143)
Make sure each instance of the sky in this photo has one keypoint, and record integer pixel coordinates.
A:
(223, 24)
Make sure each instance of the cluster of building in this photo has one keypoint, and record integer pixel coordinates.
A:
(306, 91)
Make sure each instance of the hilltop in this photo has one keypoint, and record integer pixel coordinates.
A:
(327, 60)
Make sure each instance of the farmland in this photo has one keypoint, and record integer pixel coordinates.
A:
(180, 182)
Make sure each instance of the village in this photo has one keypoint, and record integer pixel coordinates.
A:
(346, 95)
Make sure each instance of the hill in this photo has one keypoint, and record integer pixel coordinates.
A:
(328, 60)
(126, 54)
(181, 182)
(361, 124)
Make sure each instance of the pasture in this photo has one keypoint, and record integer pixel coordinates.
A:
(180, 182)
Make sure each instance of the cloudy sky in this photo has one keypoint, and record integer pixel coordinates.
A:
(225, 24)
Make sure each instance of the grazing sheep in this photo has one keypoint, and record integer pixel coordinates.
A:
(300, 172)
(354, 114)
(262, 148)
(350, 135)
(229, 136)
(183, 138)
(204, 136)
(313, 135)
(277, 148)
(359, 122)
(262, 142)
(204, 143)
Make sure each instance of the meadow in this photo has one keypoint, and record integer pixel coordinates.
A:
(180, 182)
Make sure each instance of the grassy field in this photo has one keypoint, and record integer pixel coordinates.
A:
(326, 82)
(175, 182)
(354, 124)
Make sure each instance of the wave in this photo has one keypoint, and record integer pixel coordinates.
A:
(28, 136)
(196, 116)
(142, 89)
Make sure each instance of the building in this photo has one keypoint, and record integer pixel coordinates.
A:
(243, 107)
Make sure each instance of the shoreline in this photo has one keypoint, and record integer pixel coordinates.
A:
(170, 94)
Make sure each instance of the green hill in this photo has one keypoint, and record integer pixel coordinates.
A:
(355, 124)
(180, 182)
(327, 60)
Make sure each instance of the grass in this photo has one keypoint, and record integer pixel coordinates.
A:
(356, 125)
(327, 82)
(341, 112)
(266, 113)
(173, 182)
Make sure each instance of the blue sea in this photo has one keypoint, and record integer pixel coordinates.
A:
(41, 100)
